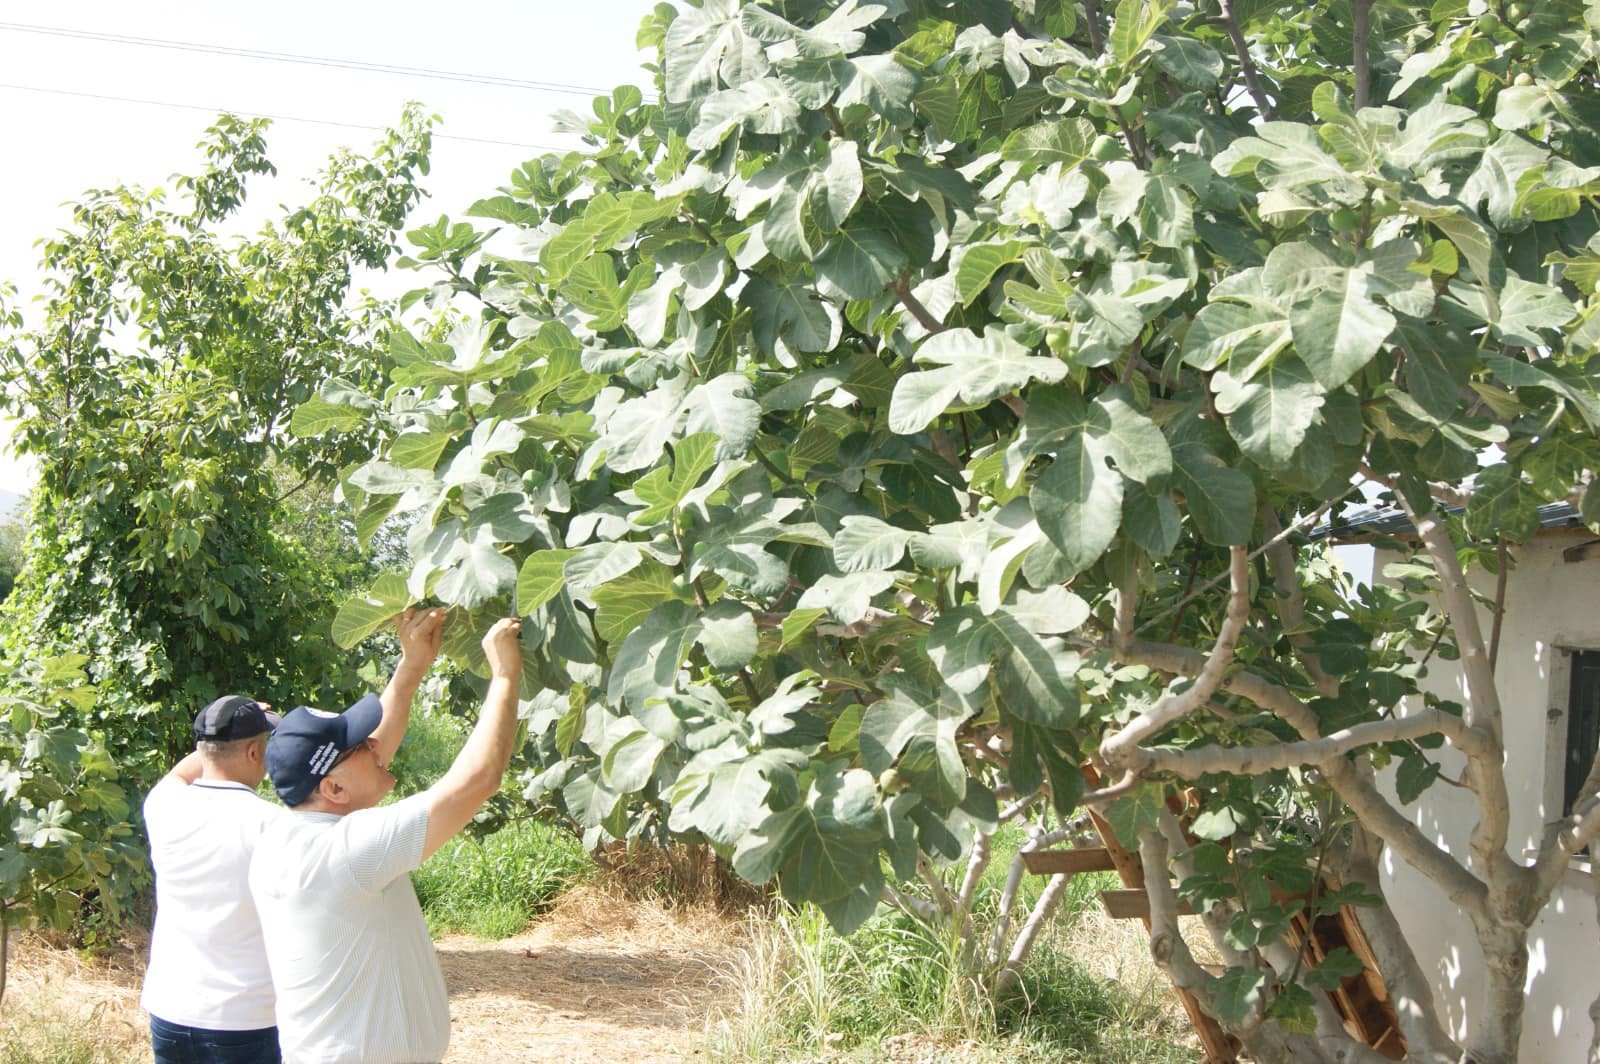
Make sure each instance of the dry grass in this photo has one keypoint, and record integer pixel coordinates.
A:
(1119, 950)
(62, 1008)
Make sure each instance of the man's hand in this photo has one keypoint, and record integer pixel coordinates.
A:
(421, 632)
(502, 645)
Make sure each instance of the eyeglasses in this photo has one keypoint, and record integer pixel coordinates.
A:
(348, 754)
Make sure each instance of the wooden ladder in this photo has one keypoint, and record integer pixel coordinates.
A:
(1132, 902)
(1361, 1001)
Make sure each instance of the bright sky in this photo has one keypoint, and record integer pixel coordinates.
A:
(65, 132)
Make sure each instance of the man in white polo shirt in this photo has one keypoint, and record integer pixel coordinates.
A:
(206, 987)
(355, 973)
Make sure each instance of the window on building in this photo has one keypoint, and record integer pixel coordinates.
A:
(1583, 723)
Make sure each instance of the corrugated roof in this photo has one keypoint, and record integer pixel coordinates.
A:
(1392, 521)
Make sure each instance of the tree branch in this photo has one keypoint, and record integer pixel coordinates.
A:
(1015, 809)
(1363, 67)
(1301, 522)
(1195, 762)
(1485, 773)
(1291, 601)
(1247, 65)
(1129, 782)
(1127, 607)
(902, 291)
(1567, 836)
(1168, 949)
(907, 903)
(1409, 989)
(941, 894)
(1357, 791)
(1122, 749)
(1038, 840)
(977, 864)
(1043, 909)
(1097, 34)
(1501, 557)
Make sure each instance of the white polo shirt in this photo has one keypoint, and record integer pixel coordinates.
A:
(208, 966)
(356, 976)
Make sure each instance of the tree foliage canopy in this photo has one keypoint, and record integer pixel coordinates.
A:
(880, 419)
(154, 388)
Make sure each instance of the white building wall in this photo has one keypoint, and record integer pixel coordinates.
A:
(1551, 605)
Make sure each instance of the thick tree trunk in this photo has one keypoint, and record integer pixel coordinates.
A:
(1497, 1029)
(1409, 990)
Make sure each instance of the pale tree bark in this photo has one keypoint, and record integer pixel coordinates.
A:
(924, 910)
(1353, 787)
(1038, 919)
(1515, 893)
(1121, 750)
(1255, 760)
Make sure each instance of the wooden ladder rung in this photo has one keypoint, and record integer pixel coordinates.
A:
(1134, 905)
(1069, 862)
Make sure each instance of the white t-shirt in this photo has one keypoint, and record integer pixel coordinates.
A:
(357, 979)
(208, 966)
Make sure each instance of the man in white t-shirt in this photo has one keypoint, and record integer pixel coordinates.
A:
(206, 987)
(356, 977)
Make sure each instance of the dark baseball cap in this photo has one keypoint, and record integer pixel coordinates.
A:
(308, 741)
(233, 717)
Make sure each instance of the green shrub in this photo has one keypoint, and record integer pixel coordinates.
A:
(433, 738)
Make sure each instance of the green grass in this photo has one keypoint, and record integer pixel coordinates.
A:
(489, 887)
(494, 887)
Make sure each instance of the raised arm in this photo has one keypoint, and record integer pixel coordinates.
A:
(420, 632)
(189, 769)
(477, 770)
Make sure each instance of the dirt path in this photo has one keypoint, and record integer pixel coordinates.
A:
(598, 979)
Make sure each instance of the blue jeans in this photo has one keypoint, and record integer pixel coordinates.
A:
(176, 1044)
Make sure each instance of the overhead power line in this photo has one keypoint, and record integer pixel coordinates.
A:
(307, 60)
(268, 114)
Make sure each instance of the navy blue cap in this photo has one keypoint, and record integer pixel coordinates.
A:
(308, 741)
(232, 717)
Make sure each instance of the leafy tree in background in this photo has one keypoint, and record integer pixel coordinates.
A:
(921, 398)
(13, 533)
(154, 390)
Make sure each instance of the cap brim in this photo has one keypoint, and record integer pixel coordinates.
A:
(272, 719)
(361, 720)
